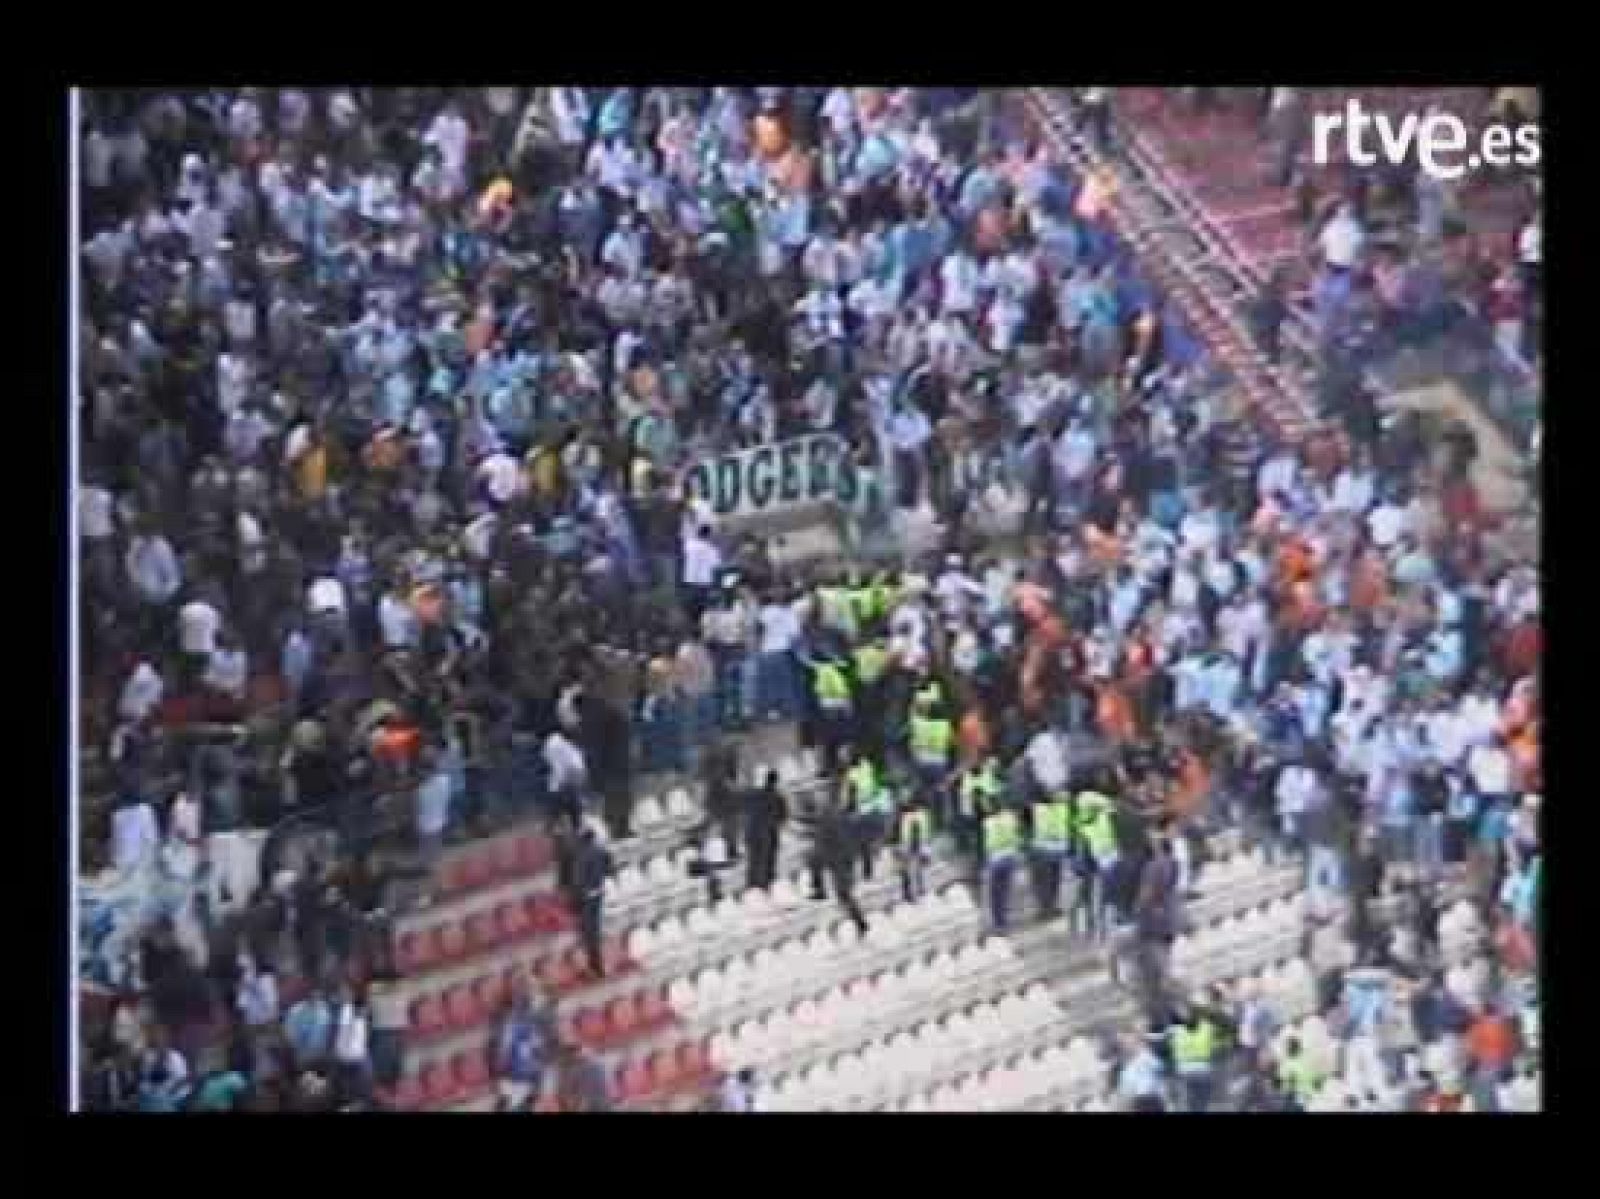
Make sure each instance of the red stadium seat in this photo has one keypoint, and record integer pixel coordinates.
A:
(471, 1070)
(558, 917)
(511, 920)
(548, 1102)
(622, 1017)
(533, 854)
(438, 1084)
(591, 1026)
(461, 1008)
(633, 1081)
(452, 942)
(504, 858)
(516, 976)
(453, 875)
(614, 955)
(477, 868)
(654, 1008)
(490, 992)
(543, 912)
(557, 971)
(692, 1062)
(482, 932)
(410, 1094)
(427, 1016)
(664, 1069)
(567, 1027)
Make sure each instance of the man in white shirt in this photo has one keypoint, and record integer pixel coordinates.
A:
(958, 280)
(1298, 791)
(1489, 767)
(396, 621)
(1278, 474)
(227, 669)
(568, 773)
(153, 568)
(702, 560)
(141, 693)
(96, 511)
(501, 477)
(325, 597)
(909, 431)
(450, 135)
(1074, 460)
(1048, 761)
(624, 247)
(1387, 523)
(956, 590)
(1341, 239)
(198, 625)
(778, 626)
(135, 835)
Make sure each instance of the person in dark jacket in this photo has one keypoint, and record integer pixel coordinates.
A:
(833, 852)
(722, 794)
(1155, 916)
(766, 812)
(605, 739)
(591, 865)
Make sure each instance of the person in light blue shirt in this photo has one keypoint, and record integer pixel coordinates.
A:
(308, 1027)
(1220, 685)
(1142, 1076)
(1076, 298)
(433, 799)
(616, 113)
(395, 398)
(876, 158)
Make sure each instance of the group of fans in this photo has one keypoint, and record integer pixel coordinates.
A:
(385, 400)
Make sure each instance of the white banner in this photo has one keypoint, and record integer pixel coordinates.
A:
(778, 478)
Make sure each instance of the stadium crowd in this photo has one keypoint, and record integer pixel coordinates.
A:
(385, 401)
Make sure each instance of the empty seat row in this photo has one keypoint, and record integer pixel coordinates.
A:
(664, 1072)
(454, 940)
(494, 861)
(1253, 885)
(464, 1077)
(677, 805)
(886, 1071)
(468, 1005)
(1239, 944)
(677, 944)
(850, 1013)
(617, 1020)
(1073, 1073)
(835, 952)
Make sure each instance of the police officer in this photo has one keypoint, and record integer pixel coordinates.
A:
(1002, 847)
(831, 685)
(1194, 1046)
(932, 741)
(1097, 830)
(1052, 837)
(867, 799)
(913, 848)
(870, 663)
(977, 793)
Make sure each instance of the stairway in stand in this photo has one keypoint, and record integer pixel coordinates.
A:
(1201, 281)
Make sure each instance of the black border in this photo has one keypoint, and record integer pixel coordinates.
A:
(1081, 48)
